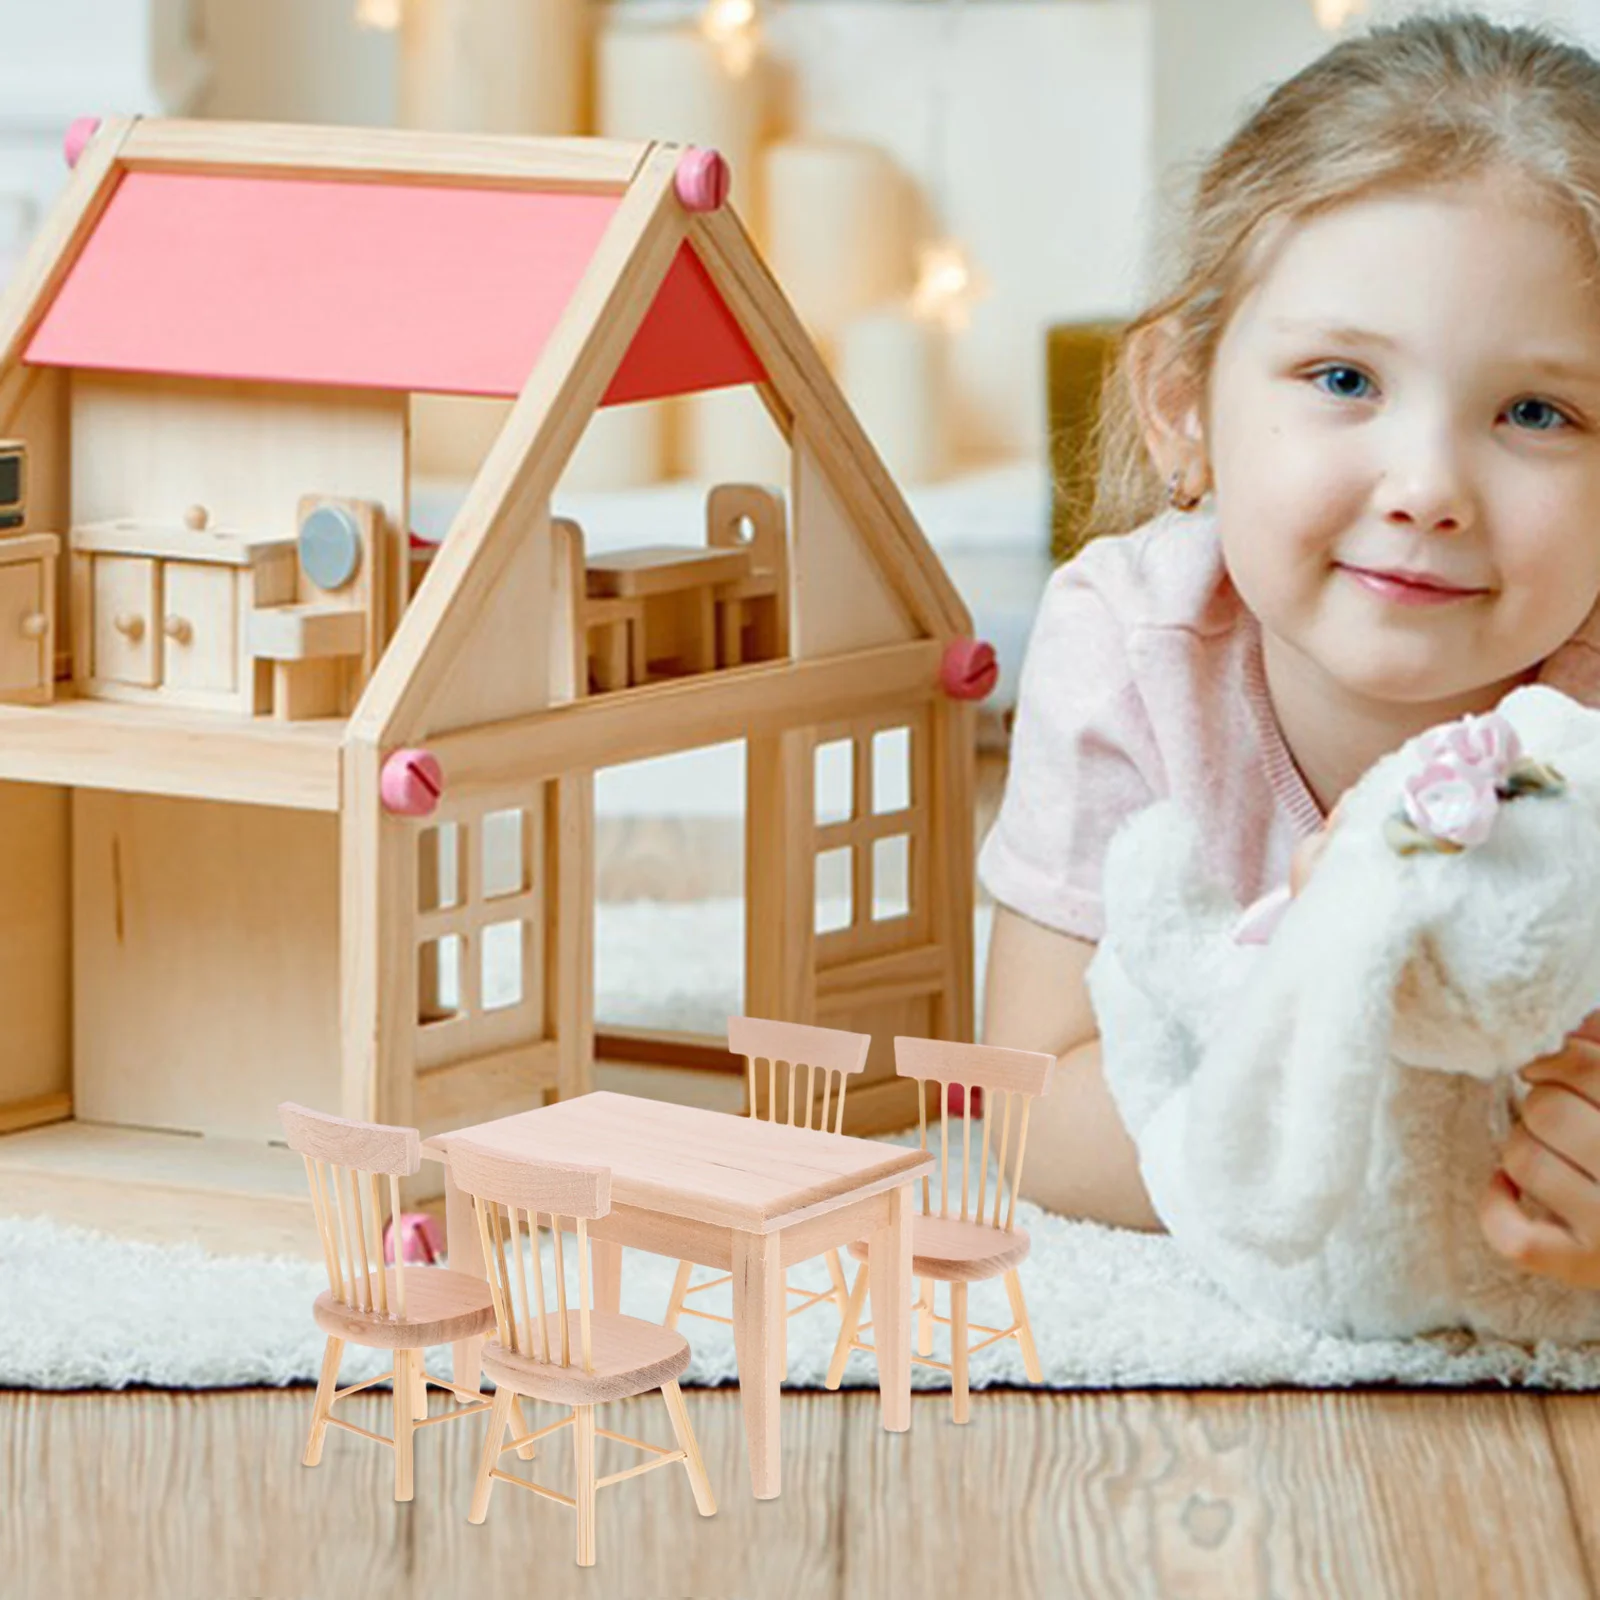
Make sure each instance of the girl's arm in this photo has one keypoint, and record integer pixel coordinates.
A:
(1081, 1161)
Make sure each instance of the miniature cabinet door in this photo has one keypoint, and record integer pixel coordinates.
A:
(24, 628)
(199, 625)
(126, 628)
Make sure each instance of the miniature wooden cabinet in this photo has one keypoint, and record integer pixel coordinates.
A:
(27, 618)
(161, 614)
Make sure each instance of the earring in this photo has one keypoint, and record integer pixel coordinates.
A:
(1180, 501)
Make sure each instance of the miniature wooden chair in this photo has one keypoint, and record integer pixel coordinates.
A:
(534, 1355)
(837, 1056)
(971, 1247)
(399, 1308)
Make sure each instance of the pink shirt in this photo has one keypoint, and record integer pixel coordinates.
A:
(1143, 680)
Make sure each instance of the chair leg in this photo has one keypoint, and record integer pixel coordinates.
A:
(525, 1452)
(847, 1328)
(680, 1287)
(405, 1397)
(1019, 1315)
(684, 1433)
(419, 1377)
(484, 1487)
(841, 1289)
(958, 1352)
(326, 1384)
(924, 1316)
(583, 1492)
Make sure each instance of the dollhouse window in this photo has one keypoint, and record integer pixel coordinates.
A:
(891, 771)
(439, 867)
(835, 782)
(439, 979)
(834, 897)
(506, 866)
(501, 984)
(891, 877)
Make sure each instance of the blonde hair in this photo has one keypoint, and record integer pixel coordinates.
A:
(1434, 99)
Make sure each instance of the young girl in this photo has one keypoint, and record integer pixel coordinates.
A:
(1359, 444)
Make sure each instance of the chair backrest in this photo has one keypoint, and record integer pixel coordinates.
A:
(509, 1192)
(1016, 1074)
(342, 1159)
(833, 1053)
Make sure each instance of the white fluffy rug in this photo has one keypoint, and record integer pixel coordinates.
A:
(1109, 1310)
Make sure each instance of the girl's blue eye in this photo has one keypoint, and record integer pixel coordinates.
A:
(1544, 408)
(1532, 414)
(1341, 392)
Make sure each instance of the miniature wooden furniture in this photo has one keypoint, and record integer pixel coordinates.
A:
(733, 1193)
(672, 590)
(576, 1358)
(28, 618)
(160, 614)
(970, 1247)
(826, 1054)
(397, 1308)
(324, 644)
(752, 611)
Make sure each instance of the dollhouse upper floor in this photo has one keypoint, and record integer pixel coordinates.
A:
(208, 395)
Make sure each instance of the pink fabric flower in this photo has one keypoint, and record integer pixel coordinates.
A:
(1452, 801)
(1486, 744)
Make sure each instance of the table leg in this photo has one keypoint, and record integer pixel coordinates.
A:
(889, 1262)
(465, 1251)
(605, 1258)
(760, 1335)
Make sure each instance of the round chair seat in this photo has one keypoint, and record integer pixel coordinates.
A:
(441, 1307)
(629, 1356)
(959, 1252)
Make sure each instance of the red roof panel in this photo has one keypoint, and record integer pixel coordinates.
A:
(425, 288)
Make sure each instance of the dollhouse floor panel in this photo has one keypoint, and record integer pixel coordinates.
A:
(101, 744)
(230, 1196)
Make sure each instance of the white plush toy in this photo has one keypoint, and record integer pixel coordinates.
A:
(1318, 1115)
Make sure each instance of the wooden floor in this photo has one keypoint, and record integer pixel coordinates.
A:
(1232, 1495)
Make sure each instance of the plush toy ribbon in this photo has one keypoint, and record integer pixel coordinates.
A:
(1448, 803)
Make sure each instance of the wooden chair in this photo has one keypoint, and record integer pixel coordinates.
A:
(973, 1246)
(837, 1056)
(533, 1355)
(400, 1308)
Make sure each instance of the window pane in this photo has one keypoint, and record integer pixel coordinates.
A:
(891, 770)
(833, 908)
(835, 778)
(502, 965)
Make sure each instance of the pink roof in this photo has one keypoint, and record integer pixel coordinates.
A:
(447, 290)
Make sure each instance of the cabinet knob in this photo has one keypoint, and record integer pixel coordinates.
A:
(179, 629)
(130, 626)
(35, 625)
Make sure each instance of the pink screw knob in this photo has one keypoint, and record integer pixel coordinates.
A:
(968, 670)
(419, 1238)
(702, 180)
(78, 135)
(411, 783)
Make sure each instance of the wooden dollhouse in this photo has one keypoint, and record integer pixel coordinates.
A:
(255, 745)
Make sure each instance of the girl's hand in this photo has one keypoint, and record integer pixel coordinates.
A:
(1541, 1210)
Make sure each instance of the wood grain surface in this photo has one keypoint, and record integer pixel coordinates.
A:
(1370, 1494)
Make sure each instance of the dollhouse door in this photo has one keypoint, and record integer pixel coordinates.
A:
(852, 920)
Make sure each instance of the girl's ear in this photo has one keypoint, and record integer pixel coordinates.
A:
(1168, 397)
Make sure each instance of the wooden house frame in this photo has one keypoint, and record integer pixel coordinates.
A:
(268, 865)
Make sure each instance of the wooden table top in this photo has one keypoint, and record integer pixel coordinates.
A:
(662, 569)
(710, 1166)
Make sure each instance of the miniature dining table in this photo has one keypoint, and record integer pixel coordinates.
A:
(730, 1192)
